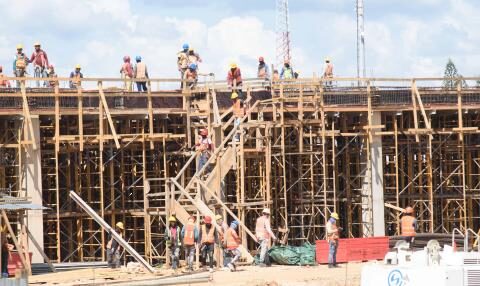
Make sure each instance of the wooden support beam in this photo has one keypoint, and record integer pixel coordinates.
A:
(150, 113)
(107, 113)
(27, 115)
(420, 104)
(80, 116)
(24, 258)
(415, 119)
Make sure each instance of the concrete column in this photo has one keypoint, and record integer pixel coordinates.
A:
(377, 179)
(32, 184)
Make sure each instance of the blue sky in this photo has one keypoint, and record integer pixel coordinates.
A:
(403, 38)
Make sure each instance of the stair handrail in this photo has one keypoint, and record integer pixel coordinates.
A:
(474, 234)
(453, 238)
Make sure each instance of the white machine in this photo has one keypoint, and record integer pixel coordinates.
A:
(430, 266)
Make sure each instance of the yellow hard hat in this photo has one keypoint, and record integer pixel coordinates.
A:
(120, 225)
(78, 67)
(36, 44)
(335, 216)
(19, 46)
(218, 217)
(233, 65)
(172, 219)
(190, 49)
(234, 95)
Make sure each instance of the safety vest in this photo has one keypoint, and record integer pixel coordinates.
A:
(287, 73)
(76, 78)
(21, 62)
(262, 71)
(210, 236)
(407, 226)
(170, 238)
(329, 70)
(141, 70)
(333, 236)
(182, 61)
(260, 229)
(189, 235)
(232, 243)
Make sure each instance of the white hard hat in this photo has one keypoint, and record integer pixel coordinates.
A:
(266, 211)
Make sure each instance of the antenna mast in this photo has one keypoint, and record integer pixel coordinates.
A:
(283, 33)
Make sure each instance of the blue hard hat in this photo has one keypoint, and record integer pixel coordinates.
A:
(235, 222)
(185, 46)
(192, 66)
(138, 58)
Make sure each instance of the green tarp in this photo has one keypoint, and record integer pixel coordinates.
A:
(292, 255)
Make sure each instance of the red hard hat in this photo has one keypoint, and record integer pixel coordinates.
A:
(260, 59)
(207, 219)
(126, 58)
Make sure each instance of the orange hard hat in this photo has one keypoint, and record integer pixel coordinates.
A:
(409, 210)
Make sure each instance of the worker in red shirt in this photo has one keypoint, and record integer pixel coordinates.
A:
(126, 72)
(39, 59)
(234, 79)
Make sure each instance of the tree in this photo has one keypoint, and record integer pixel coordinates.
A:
(451, 76)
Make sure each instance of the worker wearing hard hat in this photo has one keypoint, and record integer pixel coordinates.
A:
(190, 239)
(182, 62)
(328, 71)
(113, 247)
(191, 76)
(40, 62)
(287, 70)
(140, 72)
(205, 147)
(20, 63)
(264, 233)
(234, 79)
(332, 239)
(75, 77)
(173, 241)
(238, 112)
(233, 241)
(208, 237)
(52, 82)
(126, 72)
(408, 225)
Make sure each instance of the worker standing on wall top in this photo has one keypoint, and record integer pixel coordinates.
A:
(173, 241)
(51, 76)
(238, 112)
(3, 82)
(40, 63)
(232, 241)
(140, 72)
(20, 63)
(408, 224)
(190, 239)
(263, 71)
(234, 79)
(328, 71)
(191, 76)
(208, 238)
(182, 62)
(75, 77)
(264, 233)
(287, 71)
(205, 147)
(332, 239)
(126, 71)
(113, 247)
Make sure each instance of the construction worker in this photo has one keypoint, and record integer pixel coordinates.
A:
(208, 238)
(173, 241)
(205, 147)
(191, 76)
(233, 241)
(6, 249)
(3, 82)
(190, 239)
(328, 71)
(234, 79)
(263, 71)
(263, 232)
(332, 239)
(126, 72)
(287, 71)
(193, 58)
(52, 76)
(140, 72)
(75, 77)
(276, 76)
(222, 229)
(182, 62)
(40, 63)
(408, 225)
(113, 247)
(238, 112)
(20, 63)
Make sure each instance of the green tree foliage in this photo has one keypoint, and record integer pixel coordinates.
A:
(451, 76)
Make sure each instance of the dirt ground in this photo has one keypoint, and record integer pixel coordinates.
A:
(277, 275)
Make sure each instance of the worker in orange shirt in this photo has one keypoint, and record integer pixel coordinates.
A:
(233, 241)
(408, 225)
(189, 241)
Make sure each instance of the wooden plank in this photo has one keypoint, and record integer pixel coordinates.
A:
(107, 113)
(80, 116)
(394, 207)
(150, 113)
(422, 109)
